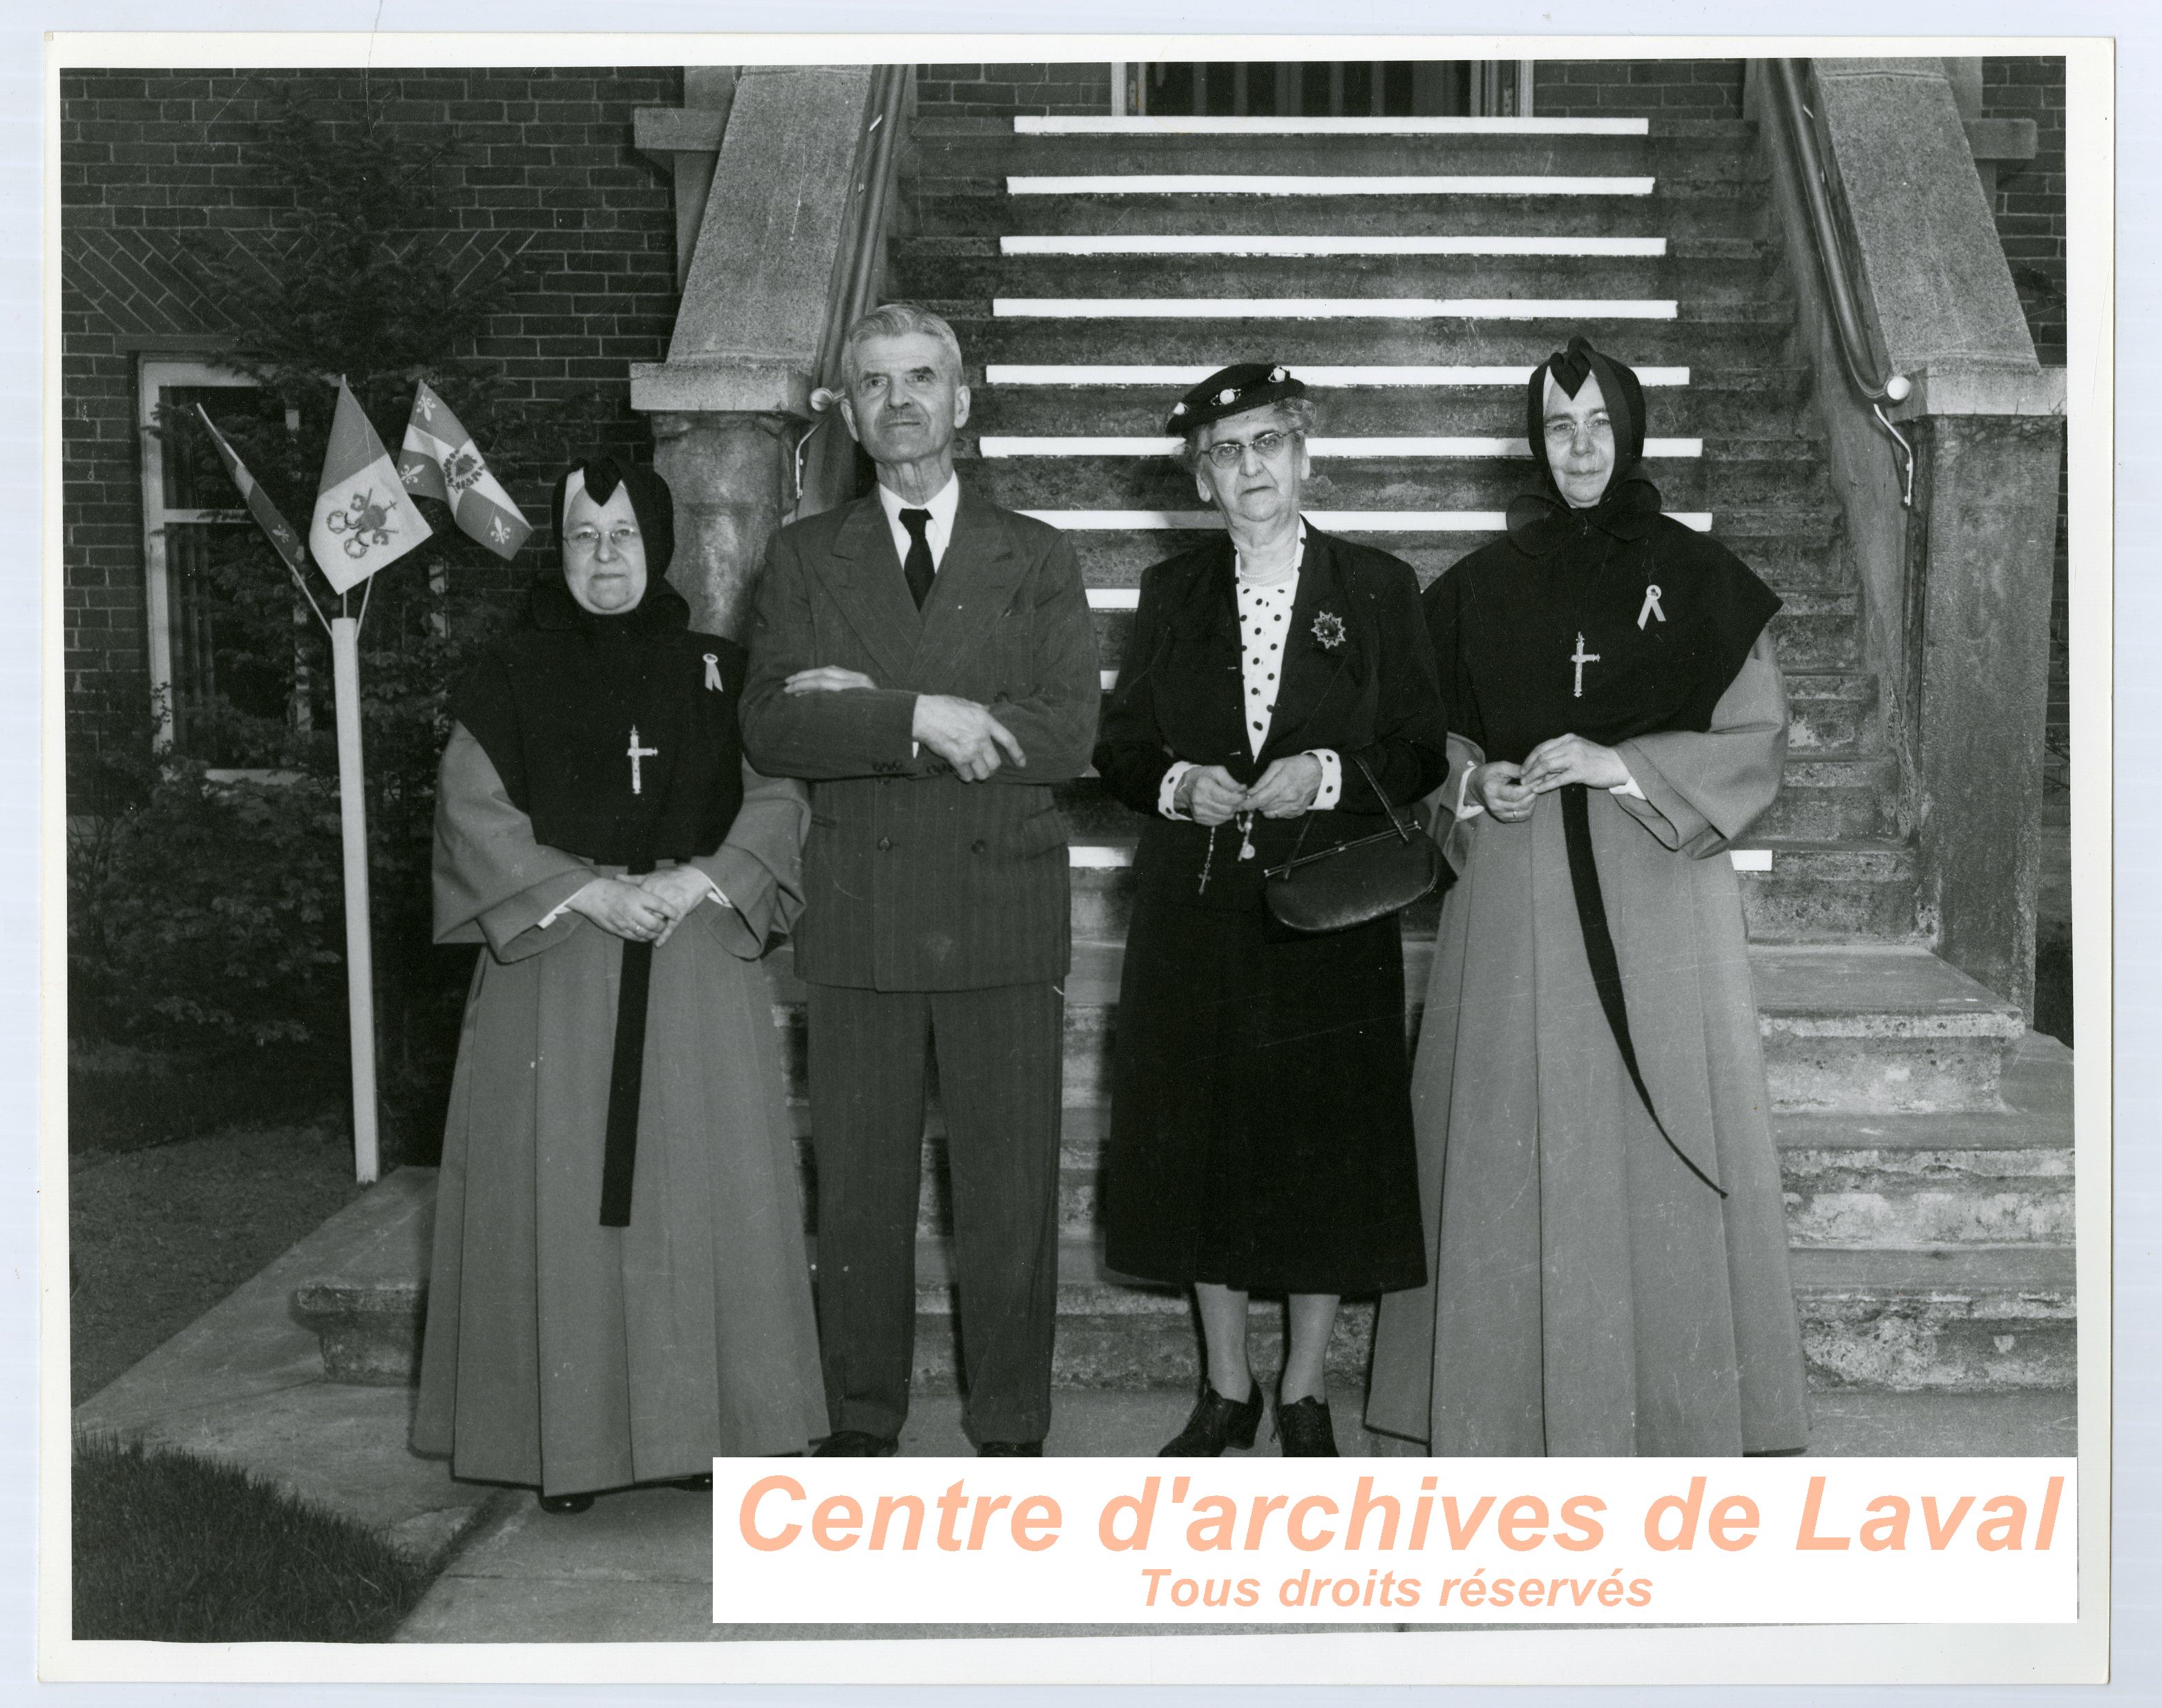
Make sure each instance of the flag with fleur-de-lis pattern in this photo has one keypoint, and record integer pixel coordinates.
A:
(440, 459)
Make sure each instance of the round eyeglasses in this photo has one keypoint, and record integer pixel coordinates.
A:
(1225, 453)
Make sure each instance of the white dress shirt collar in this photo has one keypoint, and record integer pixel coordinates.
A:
(942, 504)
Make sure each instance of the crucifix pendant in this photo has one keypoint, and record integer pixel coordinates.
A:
(638, 753)
(1580, 658)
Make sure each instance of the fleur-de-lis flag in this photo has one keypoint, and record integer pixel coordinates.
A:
(440, 459)
(364, 519)
(267, 515)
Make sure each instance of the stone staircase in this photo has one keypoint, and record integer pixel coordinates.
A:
(1925, 1135)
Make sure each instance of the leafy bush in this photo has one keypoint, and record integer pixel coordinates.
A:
(207, 913)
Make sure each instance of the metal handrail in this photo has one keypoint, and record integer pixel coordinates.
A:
(1833, 267)
(878, 158)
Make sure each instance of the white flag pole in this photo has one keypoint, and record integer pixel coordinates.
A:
(359, 960)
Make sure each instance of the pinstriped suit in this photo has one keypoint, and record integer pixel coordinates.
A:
(936, 908)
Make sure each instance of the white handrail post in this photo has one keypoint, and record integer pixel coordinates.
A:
(360, 968)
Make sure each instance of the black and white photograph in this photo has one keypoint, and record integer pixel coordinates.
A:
(1148, 757)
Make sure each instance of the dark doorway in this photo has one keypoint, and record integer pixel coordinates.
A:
(1336, 89)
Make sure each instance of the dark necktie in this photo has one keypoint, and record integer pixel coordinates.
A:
(919, 569)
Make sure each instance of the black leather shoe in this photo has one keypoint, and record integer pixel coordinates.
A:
(856, 1443)
(1303, 1428)
(693, 1484)
(1215, 1424)
(1011, 1450)
(565, 1505)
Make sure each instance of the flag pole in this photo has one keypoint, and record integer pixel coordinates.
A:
(359, 957)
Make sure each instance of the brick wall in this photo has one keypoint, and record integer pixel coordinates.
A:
(1636, 88)
(540, 156)
(1000, 91)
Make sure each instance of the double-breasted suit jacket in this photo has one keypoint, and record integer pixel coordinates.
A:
(935, 913)
(916, 879)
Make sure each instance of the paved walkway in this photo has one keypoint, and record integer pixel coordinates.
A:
(245, 1383)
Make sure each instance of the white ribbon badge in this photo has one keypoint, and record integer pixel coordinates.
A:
(1651, 606)
(713, 661)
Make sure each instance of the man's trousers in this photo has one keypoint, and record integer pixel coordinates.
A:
(999, 1054)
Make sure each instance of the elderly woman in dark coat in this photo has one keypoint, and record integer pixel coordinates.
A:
(620, 1290)
(1261, 1115)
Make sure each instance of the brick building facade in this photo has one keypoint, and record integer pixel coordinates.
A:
(151, 160)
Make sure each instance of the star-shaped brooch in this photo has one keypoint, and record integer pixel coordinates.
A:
(1329, 630)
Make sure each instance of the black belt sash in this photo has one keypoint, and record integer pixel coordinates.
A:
(1605, 964)
(626, 1077)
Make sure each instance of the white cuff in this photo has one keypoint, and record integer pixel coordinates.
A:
(1628, 788)
(1332, 779)
(1465, 807)
(556, 913)
(1166, 794)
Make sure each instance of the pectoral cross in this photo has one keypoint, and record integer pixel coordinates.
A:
(638, 753)
(1580, 658)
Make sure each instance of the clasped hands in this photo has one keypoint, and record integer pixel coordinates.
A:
(644, 909)
(1507, 790)
(1210, 794)
(961, 732)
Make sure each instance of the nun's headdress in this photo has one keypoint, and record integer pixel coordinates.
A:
(1618, 384)
(650, 502)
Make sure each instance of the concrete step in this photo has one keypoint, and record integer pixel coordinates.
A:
(1870, 1028)
(1766, 403)
(1703, 279)
(1814, 892)
(1752, 333)
(1721, 479)
(1983, 1322)
(1814, 632)
(1965, 1180)
(1828, 796)
(1675, 209)
(1794, 550)
(943, 155)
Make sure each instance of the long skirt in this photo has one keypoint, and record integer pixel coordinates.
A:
(1590, 1295)
(1260, 1112)
(570, 1356)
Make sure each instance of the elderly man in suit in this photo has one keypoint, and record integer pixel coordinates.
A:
(926, 660)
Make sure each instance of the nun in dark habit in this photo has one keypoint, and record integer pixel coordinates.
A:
(620, 1290)
(1608, 1267)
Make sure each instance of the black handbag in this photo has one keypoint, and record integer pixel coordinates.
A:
(1336, 888)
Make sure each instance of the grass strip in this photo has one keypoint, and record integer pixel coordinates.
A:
(169, 1548)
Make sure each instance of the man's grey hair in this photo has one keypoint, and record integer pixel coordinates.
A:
(897, 320)
(1296, 414)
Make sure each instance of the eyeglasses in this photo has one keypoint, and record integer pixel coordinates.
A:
(1225, 453)
(588, 539)
(1561, 430)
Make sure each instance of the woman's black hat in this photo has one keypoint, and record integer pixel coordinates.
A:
(1231, 391)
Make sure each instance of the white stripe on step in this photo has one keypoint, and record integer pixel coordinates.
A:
(1110, 856)
(1331, 308)
(1128, 373)
(1180, 124)
(1336, 521)
(1262, 244)
(1282, 183)
(995, 445)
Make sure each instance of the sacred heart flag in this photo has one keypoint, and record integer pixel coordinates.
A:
(364, 519)
(440, 460)
(266, 514)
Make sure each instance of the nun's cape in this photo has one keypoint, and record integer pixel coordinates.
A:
(1608, 1262)
(561, 1354)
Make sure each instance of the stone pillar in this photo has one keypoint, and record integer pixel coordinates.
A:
(758, 289)
(1957, 589)
(1982, 545)
(731, 476)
